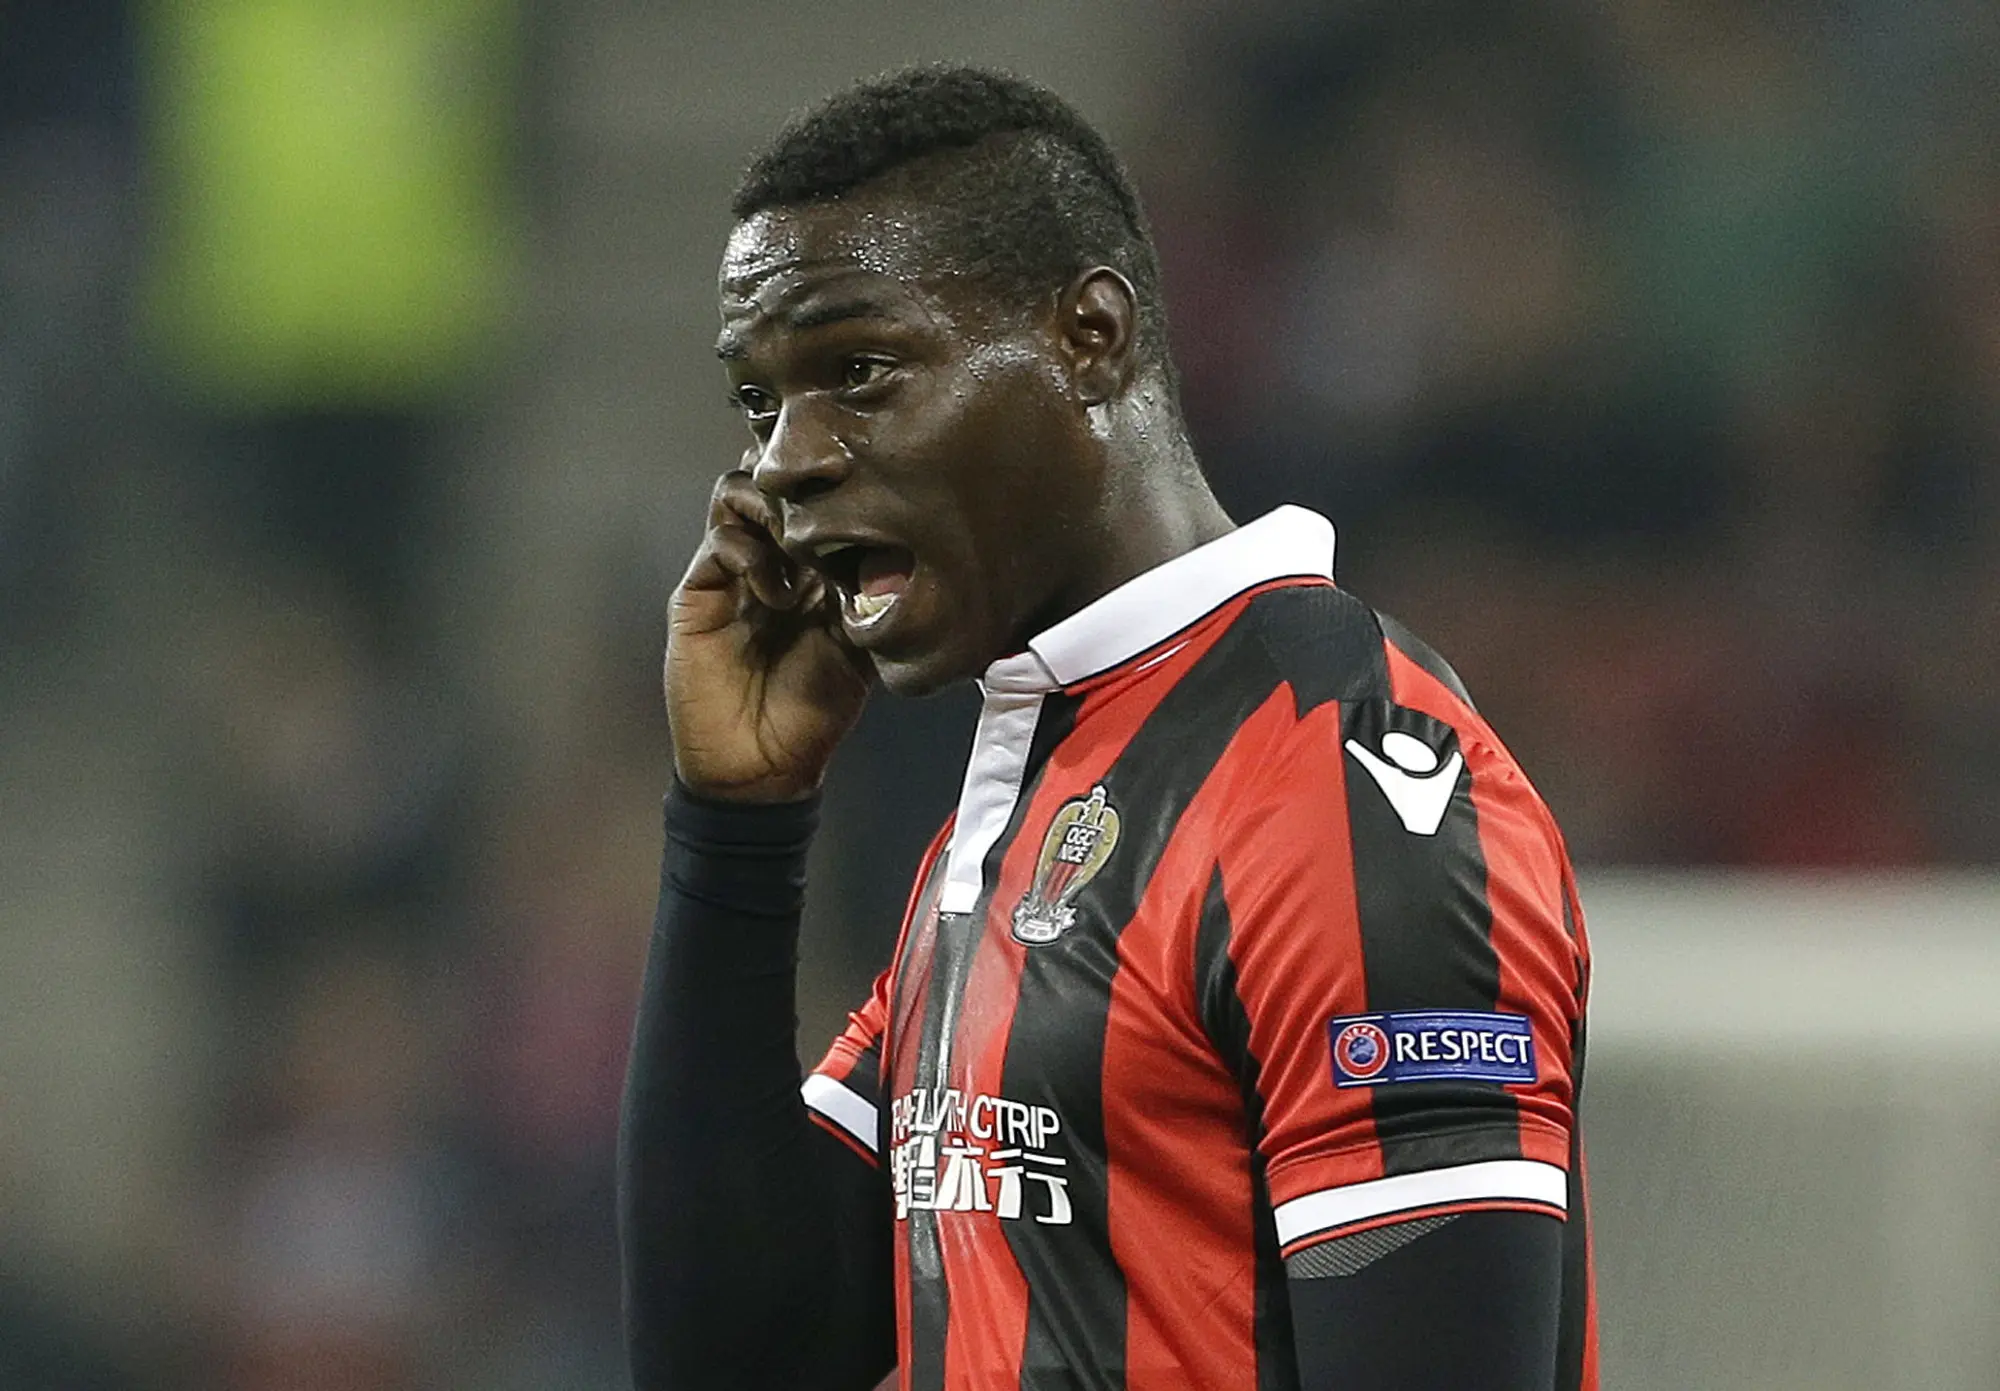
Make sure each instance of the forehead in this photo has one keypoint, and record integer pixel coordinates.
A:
(777, 261)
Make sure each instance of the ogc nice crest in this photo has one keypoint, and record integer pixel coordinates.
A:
(1080, 839)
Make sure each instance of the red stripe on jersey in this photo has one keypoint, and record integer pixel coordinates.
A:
(1288, 859)
(1526, 888)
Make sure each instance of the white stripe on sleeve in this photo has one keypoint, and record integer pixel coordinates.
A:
(846, 1108)
(1517, 1180)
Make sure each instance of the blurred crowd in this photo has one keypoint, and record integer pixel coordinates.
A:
(1646, 355)
(1650, 364)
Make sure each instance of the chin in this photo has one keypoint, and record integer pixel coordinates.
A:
(925, 673)
(915, 678)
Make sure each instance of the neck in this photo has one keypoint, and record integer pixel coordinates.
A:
(1155, 505)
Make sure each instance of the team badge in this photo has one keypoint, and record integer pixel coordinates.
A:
(1080, 839)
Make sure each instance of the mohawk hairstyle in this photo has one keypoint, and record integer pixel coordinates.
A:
(1017, 189)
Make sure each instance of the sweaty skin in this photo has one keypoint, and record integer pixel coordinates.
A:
(987, 472)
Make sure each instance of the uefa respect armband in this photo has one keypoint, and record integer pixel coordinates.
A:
(1431, 1045)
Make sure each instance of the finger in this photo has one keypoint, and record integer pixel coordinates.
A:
(717, 590)
(755, 563)
(720, 561)
(736, 499)
(720, 492)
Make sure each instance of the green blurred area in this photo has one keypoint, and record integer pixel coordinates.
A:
(332, 185)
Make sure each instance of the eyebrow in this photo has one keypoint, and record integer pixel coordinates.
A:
(730, 347)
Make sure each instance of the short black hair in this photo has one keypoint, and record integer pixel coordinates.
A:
(1024, 191)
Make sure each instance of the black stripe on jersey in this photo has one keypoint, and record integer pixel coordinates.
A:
(1425, 656)
(1324, 642)
(1055, 1050)
(1573, 1332)
(957, 944)
(1052, 726)
(1228, 1025)
(1426, 942)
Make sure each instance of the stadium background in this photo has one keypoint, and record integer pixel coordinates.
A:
(356, 409)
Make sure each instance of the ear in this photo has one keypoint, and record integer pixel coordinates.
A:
(1097, 320)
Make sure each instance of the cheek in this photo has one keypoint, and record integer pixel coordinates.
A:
(987, 460)
(999, 361)
(1026, 509)
(1024, 428)
(1015, 485)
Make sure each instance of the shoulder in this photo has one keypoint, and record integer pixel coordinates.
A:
(1329, 645)
(1383, 812)
(1379, 731)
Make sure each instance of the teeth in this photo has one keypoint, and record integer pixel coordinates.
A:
(827, 548)
(869, 607)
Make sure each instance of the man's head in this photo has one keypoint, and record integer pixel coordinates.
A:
(942, 322)
(1004, 182)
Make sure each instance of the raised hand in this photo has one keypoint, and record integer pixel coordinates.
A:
(761, 685)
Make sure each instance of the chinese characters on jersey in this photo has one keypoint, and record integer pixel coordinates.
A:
(949, 1152)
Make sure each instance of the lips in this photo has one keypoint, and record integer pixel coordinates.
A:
(871, 578)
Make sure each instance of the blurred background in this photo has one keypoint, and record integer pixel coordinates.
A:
(356, 412)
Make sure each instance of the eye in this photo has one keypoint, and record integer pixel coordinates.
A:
(860, 372)
(759, 407)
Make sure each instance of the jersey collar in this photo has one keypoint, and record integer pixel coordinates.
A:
(1148, 609)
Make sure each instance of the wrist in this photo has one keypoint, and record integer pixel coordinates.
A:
(768, 793)
(748, 857)
(753, 818)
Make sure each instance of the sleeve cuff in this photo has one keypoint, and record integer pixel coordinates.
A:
(1494, 1183)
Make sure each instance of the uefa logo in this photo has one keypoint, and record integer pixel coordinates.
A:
(1361, 1050)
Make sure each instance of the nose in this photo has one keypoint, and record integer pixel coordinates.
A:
(802, 458)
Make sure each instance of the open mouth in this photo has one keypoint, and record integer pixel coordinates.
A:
(870, 579)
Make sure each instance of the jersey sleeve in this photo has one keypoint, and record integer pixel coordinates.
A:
(1397, 969)
(843, 1093)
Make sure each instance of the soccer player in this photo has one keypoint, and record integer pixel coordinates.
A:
(1234, 1033)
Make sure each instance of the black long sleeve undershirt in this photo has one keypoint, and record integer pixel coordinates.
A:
(755, 1246)
(1473, 1303)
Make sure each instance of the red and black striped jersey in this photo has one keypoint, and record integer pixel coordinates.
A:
(1247, 934)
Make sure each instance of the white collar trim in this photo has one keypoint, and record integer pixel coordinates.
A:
(1150, 608)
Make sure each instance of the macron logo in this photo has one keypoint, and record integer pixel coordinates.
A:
(1407, 771)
